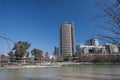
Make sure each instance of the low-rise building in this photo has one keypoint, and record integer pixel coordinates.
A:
(111, 48)
(85, 49)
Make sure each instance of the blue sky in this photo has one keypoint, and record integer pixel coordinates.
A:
(38, 21)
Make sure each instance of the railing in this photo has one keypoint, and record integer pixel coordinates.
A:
(26, 61)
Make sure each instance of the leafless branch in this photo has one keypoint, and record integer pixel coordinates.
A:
(110, 21)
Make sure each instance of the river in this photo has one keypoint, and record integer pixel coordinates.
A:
(75, 72)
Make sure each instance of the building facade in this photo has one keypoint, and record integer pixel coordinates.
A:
(56, 51)
(92, 42)
(111, 48)
(66, 39)
(85, 49)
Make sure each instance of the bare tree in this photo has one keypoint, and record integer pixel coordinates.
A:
(110, 20)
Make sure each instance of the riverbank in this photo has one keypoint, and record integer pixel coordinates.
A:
(29, 66)
(60, 64)
(88, 63)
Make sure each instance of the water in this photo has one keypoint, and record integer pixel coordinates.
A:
(82, 72)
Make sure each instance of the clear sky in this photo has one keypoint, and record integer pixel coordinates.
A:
(38, 21)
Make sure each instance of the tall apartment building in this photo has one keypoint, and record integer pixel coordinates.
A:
(92, 42)
(66, 39)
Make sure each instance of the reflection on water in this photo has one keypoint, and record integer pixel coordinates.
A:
(81, 72)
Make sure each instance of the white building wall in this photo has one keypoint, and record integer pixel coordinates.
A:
(83, 49)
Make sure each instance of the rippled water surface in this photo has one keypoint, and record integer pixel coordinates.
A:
(81, 72)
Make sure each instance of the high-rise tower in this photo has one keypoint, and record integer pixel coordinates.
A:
(66, 39)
